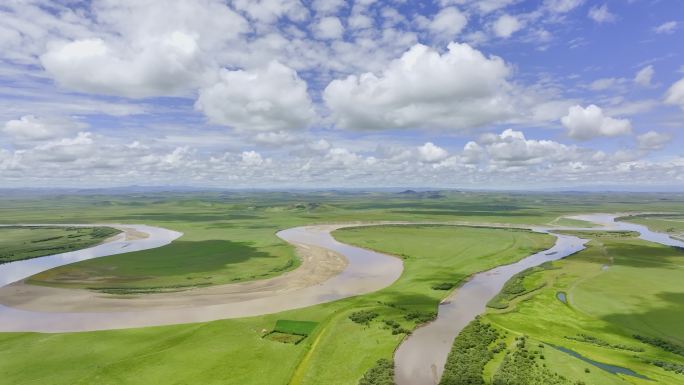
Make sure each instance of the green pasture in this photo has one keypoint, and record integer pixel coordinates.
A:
(234, 349)
(617, 288)
(17, 243)
(230, 237)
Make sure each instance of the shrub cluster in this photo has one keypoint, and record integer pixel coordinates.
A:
(396, 327)
(520, 367)
(669, 366)
(380, 374)
(443, 286)
(661, 343)
(469, 355)
(363, 316)
(599, 342)
(420, 317)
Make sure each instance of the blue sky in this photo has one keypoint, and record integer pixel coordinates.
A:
(326, 93)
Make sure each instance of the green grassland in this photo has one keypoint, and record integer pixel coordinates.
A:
(302, 328)
(17, 243)
(235, 349)
(617, 288)
(671, 224)
(230, 236)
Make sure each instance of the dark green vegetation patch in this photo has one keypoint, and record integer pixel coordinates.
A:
(291, 332)
(302, 328)
(469, 354)
(518, 286)
(25, 242)
(380, 374)
(443, 286)
(363, 316)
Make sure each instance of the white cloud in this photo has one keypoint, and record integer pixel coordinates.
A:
(652, 141)
(30, 128)
(562, 6)
(67, 149)
(168, 66)
(327, 7)
(140, 49)
(644, 76)
(590, 122)
(329, 27)
(252, 158)
(506, 25)
(512, 149)
(273, 98)
(667, 27)
(431, 153)
(269, 11)
(606, 83)
(459, 89)
(675, 94)
(601, 14)
(448, 23)
(275, 138)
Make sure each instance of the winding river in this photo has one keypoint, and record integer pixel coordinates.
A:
(419, 359)
(366, 271)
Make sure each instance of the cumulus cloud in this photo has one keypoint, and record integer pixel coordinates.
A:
(652, 141)
(587, 123)
(506, 25)
(272, 98)
(512, 149)
(275, 138)
(448, 23)
(30, 128)
(644, 76)
(252, 158)
(666, 28)
(329, 27)
(67, 149)
(168, 66)
(601, 14)
(431, 153)
(459, 89)
(159, 48)
(675, 94)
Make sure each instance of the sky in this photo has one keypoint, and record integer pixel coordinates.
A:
(491, 94)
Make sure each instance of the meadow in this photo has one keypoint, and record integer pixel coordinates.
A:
(237, 231)
(17, 243)
(671, 224)
(621, 291)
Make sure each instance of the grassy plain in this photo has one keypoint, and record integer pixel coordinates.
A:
(339, 351)
(17, 243)
(618, 287)
(671, 224)
(234, 348)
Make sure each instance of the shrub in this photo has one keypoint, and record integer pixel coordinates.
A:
(363, 316)
(380, 374)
